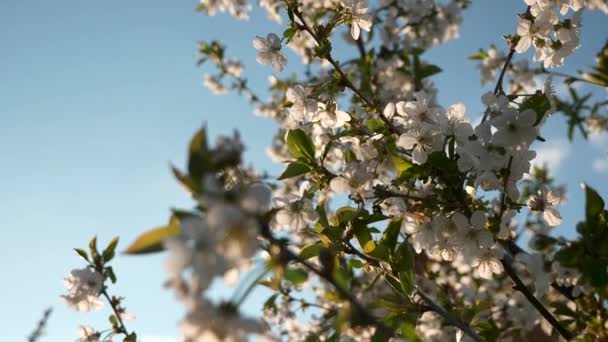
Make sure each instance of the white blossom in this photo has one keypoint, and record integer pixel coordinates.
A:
(84, 286)
(422, 140)
(269, 51)
(360, 19)
(88, 334)
(545, 201)
(302, 108)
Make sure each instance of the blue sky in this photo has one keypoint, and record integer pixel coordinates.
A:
(97, 98)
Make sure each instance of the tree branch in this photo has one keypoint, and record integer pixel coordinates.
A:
(291, 256)
(521, 287)
(446, 315)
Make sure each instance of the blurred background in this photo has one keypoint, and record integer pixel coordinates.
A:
(96, 98)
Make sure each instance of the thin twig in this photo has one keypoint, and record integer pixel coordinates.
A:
(39, 330)
(521, 287)
(113, 304)
(498, 87)
(571, 78)
(514, 249)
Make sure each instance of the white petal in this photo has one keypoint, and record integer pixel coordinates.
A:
(552, 217)
(389, 110)
(406, 141)
(523, 45)
(339, 185)
(259, 43)
(354, 31)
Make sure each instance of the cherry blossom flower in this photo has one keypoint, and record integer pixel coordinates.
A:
(422, 140)
(302, 108)
(544, 201)
(88, 334)
(514, 129)
(296, 213)
(488, 262)
(269, 51)
(217, 323)
(472, 235)
(360, 20)
(330, 117)
(83, 286)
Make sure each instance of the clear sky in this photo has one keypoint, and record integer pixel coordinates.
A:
(96, 97)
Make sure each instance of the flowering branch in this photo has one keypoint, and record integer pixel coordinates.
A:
(287, 255)
(118, 312)
(86, 285)
(330, 59)
(446, 315)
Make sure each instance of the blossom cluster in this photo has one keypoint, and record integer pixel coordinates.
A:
(390, 202)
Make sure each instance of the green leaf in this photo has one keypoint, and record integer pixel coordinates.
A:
(185, 180)
(93, 247)
(569, 256)
(300, 145)
(599, 74)
(596, 272)
(539, 103)
(404, 265)
(82, 253)
(152, 240)
(322, 214)
(481, 54)
(364, 237)
(311, 250)
(594, 204)
(131, 338)
(109, 252)
(199, 160)
(382, 335)
(270, 303)
(295, 276)
(395, 284)
(110, 273)
(295, 169)
(408, 331)
(346, 214)
(401, 165)
(375, 125)
(355, 263)
(113, 320)
(342, 277)
(391, 234)
(427, 70)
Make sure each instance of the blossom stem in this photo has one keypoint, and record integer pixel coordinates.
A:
(501, 77)
(121, 325)
(570, 77)
(521, 287)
